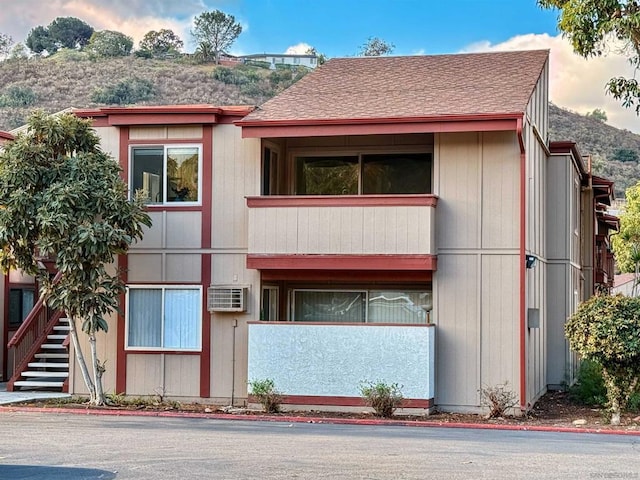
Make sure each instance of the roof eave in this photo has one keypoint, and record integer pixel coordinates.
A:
(381, 125)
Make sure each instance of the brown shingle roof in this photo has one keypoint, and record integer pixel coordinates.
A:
(417, 86)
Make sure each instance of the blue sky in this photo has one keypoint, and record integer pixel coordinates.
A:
(338, 28)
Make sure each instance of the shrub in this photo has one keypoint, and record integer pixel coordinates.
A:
(266, 393)
(606, 329)
(384, 398)
(125, 92)
(589, 388)
(17, 96)
(499, 399)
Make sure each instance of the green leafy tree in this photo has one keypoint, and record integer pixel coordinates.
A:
(19, 51)
(626, 243)
(376, 47)
(625, 155)
(63, 32)
(592, 24)
(5, 44)
(107, 43)
(160, 43)
(606, 329)
(39, 41)
(214, 33)
(598, 114)
(63, 198)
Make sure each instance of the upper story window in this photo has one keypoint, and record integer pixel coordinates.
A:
(167, 174)
(366, 174)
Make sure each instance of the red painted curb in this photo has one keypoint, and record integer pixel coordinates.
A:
(330, 421)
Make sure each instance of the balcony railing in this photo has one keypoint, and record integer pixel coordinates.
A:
(342, 225)
(318, 363)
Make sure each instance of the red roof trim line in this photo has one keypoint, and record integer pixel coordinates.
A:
(344, 401)
(167, 114)
(379, 128)
(6, 135)
(342, 201)
(383, 277)
(259, 261)
(370, 120)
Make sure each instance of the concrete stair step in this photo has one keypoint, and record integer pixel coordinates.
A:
(47, 374)
(38, 383)
(62, 328)
(48, 365)
(56, 337)
(52, 355)
(53, 346)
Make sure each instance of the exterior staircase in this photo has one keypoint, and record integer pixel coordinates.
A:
(49, 367)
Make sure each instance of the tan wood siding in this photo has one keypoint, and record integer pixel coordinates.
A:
(342, 230)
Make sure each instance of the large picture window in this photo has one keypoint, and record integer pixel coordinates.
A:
(367, 174)
(164, 318)
(361, 306)
(166, 174)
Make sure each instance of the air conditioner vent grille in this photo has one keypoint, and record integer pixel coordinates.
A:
(227, 299)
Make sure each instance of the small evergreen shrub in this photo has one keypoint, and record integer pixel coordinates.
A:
(125, 92)
(383, 397)
(589, 388)
(266, 393)
(17, 96)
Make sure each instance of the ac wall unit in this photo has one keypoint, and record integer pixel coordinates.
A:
(227, 299)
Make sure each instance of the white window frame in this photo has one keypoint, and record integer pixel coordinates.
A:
(165, 177)
(163, 288)
(294, 153)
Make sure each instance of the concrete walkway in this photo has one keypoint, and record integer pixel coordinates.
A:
(24, 396)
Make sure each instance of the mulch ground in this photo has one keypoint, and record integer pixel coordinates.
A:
(553, 410)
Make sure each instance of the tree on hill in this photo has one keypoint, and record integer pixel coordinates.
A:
(5, 44)
(63, 198)
(591, 25)
(160, 43)
(63, 32)
(214, 33)
(322, 58)
(376, 47)
(598, 114)
(107, 43)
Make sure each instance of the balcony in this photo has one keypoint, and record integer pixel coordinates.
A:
(383, 232)
(325, 363)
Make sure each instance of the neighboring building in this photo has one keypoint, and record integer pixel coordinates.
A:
(5, 137)
(275, 59)
(624, 284)
(388, 218)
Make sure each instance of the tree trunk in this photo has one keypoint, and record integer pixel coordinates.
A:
(615, 412)
(80, 359)
(98, 370)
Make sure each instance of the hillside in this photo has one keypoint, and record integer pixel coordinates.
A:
(615, 152)
(72, 79)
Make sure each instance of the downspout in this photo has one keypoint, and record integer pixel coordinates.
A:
(523, 317)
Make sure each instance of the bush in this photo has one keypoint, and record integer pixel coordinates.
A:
(125, 92)
(384, 398)
(589, 388)
(17, 96)
(499, 399)
(266, 393)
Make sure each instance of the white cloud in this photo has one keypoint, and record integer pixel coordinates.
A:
(131, 17)
(299, 49)
(576, 83)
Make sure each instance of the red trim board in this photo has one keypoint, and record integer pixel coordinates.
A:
(342, 262)
(344, 401)
(274, 201)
